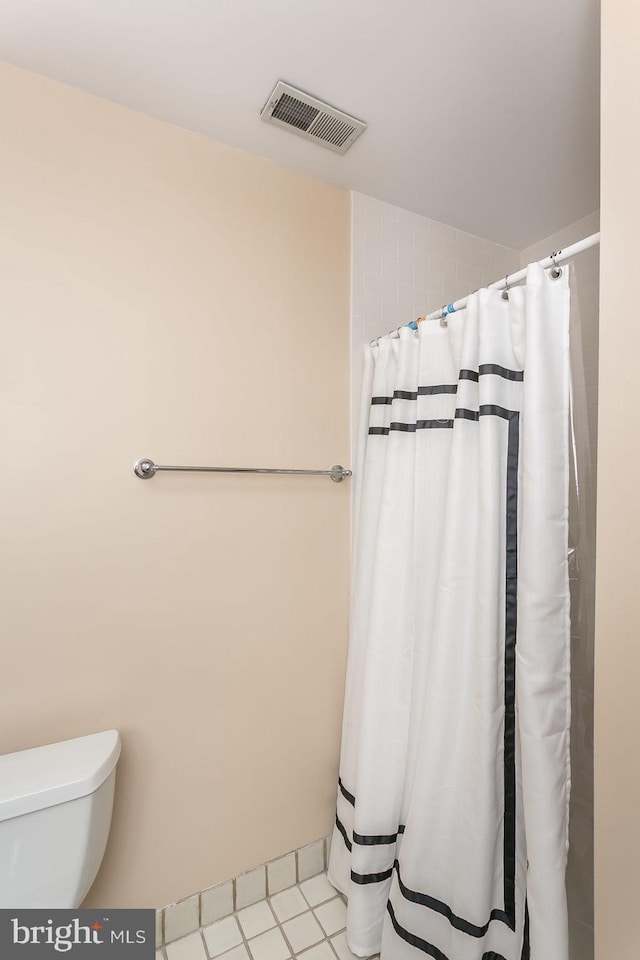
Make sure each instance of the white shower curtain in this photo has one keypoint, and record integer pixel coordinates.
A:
(452, 810)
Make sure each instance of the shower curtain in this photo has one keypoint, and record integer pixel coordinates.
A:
(451, 832)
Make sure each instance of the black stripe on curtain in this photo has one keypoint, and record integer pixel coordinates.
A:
(462, 413)
(429, 948)
(485, 369)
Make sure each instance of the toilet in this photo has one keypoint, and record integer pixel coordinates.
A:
(55, 815)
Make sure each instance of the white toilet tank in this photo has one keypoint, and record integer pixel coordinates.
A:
(55, 815)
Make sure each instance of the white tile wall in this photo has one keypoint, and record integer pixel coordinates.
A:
(215, 903)
(281, 873)
(251, 887)
(215, 910)
(310, 860)
(181, 918)
(404, 266)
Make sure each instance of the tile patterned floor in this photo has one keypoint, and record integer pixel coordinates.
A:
(305, 921)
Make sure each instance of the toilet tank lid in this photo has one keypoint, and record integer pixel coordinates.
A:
(44, 776)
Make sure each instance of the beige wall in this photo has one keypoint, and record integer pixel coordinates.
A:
(617, 731)
(167, 296)
(582, 513)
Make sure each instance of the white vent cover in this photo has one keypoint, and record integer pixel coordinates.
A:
(300, 113)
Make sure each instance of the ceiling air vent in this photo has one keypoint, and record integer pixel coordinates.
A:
(310, 118)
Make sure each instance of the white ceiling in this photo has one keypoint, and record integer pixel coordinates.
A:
(481, 114)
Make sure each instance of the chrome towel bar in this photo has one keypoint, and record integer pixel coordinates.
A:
(146, 468)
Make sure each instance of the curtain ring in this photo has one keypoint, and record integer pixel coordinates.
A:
(443, 316)
(505, 292)
(556, 271)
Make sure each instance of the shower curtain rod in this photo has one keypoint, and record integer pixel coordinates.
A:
(552, 260)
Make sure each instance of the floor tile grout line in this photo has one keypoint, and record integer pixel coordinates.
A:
(295, 886)
(204, 942)
(244, 939)
(272, 912)
(335, 895)
(286, 939)
(331, 946)
(295, 955)
(324, 841)
(277, 924)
